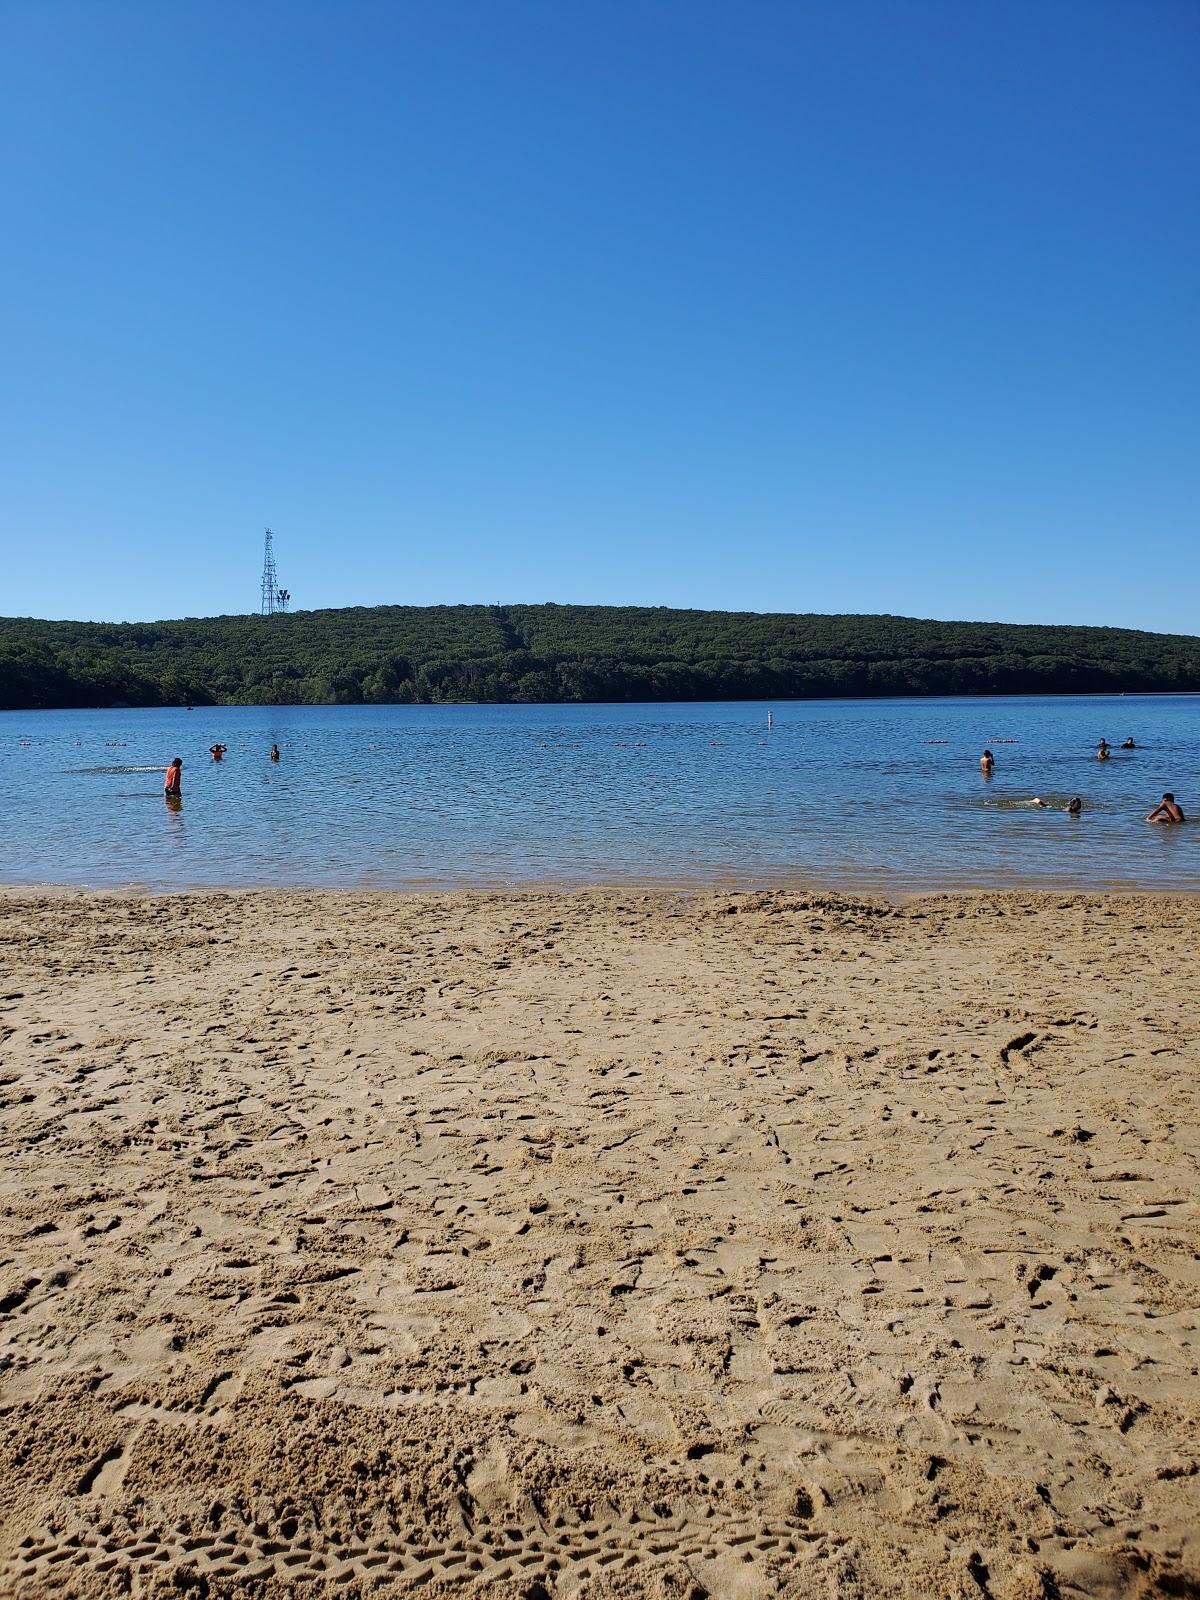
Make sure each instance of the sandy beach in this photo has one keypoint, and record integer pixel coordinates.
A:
(599, 1244)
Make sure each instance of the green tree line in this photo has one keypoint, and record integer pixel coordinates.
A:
(441, 654)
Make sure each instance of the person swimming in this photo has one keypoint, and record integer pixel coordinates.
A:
(1074, 807)
(274, 752)
(1129, 745)
(173, 782)
(1103, 750)
(1167, 810)
(986, 762)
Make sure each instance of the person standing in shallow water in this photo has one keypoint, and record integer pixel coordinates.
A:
(274, 752)
(987, 762)
(173, 782)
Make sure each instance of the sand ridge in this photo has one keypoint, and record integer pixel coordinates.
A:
(599, 1244)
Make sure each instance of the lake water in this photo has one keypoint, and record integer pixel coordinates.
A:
(882, 794)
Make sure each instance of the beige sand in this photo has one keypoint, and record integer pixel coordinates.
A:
(599, 1244)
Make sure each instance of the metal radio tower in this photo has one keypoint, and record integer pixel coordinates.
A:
(270, 580)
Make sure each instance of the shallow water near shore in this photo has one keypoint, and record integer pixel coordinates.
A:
(867, 794)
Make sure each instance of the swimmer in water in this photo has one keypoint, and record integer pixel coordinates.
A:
(1166, 811)
(1074, 807)
(274, 752)
(986, 762)
(1129, 745)
(173, 782)
(1103, 750)
(216, 751)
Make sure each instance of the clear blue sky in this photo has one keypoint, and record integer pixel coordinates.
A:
(861, 305)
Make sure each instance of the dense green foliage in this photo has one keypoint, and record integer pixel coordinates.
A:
(561, 653)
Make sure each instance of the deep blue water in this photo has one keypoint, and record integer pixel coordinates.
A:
(882, 794)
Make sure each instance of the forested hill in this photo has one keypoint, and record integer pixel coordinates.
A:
(426, 654)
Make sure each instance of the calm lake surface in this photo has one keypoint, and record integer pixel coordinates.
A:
(880, 794)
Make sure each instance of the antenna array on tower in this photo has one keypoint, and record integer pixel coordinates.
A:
(273, 597)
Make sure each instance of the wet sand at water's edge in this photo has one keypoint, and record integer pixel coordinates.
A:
(599, 1244)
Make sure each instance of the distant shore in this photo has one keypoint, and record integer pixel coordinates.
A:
(765, 1243)
(569, 654)
(764, 700)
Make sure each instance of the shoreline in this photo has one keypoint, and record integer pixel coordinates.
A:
(766, 701)
(599, 1244)
(681, 888)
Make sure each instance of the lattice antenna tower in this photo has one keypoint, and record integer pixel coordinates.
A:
(270, 580)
